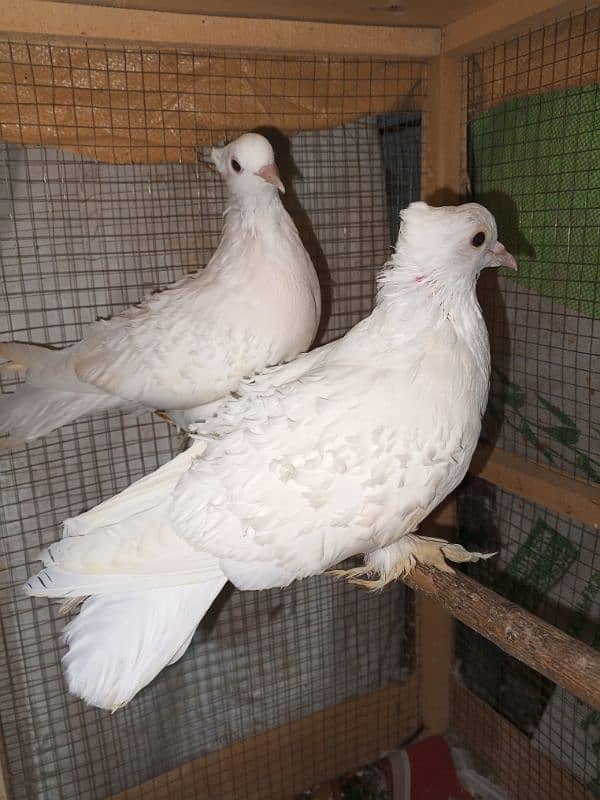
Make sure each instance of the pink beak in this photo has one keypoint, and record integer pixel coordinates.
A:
(271, 175)
(503, 257)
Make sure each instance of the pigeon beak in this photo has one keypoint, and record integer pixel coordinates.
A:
(271, 175)
(502, 257)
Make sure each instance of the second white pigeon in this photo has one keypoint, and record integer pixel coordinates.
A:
(340, 453)
(257, 303)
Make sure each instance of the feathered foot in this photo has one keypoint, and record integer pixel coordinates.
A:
(399, 559)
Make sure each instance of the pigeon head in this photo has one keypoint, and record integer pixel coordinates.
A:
(248, 167)
(450, 242)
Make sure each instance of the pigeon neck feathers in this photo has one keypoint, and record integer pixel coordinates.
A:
(406, 283)
(262, 200)
(439, 255)
(247, 218)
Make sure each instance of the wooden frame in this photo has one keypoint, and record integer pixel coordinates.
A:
(504, 18)
(444, 180)
(296, 746)
(88, 22)
(501, 748)
(538, 484)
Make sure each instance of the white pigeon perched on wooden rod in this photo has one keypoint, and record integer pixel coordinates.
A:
(257, 303)
(343, 451)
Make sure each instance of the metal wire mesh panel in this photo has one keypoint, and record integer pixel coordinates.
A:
(549, 565)
(534, 159)
(83, 238)
(533, 110)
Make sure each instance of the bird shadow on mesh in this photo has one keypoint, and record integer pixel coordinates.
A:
(493, 297)
(290, 172)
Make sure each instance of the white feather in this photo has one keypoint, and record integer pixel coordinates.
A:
(341, 452)
(120, 642)
(26, 412)
(256, 303)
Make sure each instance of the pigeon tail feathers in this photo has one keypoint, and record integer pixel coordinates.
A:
(118, 643)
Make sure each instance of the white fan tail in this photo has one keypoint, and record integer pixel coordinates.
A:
(119, 642)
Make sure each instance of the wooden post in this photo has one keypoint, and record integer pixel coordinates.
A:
(435, 638)
(442, 183)
(444, 137)
(538, 484)
(4, 783)
(566, 661)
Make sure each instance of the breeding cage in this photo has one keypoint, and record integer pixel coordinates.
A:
(105, 114)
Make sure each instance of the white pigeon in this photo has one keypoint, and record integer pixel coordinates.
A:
(344, 451)
(257, 303)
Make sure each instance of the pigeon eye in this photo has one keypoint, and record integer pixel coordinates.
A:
(236, 165)
(478, 239)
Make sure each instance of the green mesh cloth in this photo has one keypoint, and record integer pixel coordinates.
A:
(543, 154)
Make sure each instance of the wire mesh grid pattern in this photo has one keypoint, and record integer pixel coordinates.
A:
(550, 565)
(84, 238)
(533, 107)
(534, 160)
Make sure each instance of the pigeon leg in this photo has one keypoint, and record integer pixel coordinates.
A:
(400, 558)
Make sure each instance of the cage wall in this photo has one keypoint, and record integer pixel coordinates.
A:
(106, 198)
(534, 160)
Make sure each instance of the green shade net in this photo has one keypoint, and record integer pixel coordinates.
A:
(542, 154)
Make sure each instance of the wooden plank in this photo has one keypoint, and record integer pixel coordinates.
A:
(283, 761)
(564, 660)
(358, 12)
(501, 750)
(444, 179)
(441, 183)
(435, 643)
(4, 795)
(77, 22)
(539, 484)
(501, 20)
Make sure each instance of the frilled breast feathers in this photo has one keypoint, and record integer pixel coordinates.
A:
(341, 460)
(256, 303)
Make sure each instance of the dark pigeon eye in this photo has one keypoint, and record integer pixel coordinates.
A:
(235, 164)
(478, 239)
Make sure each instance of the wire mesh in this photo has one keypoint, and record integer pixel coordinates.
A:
(83, 238)
(534, 159)
(533, 108)
(550, 565)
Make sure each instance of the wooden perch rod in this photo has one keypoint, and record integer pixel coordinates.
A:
(566, 661)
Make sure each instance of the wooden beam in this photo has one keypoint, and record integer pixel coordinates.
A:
(441, 183)
(501, 20)
(306, 751)
(443, 177)
(539, 484)
(435, 643)
(5, 792)
(501, 750)
(4, 795)
(82, 22)
(564, 660)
